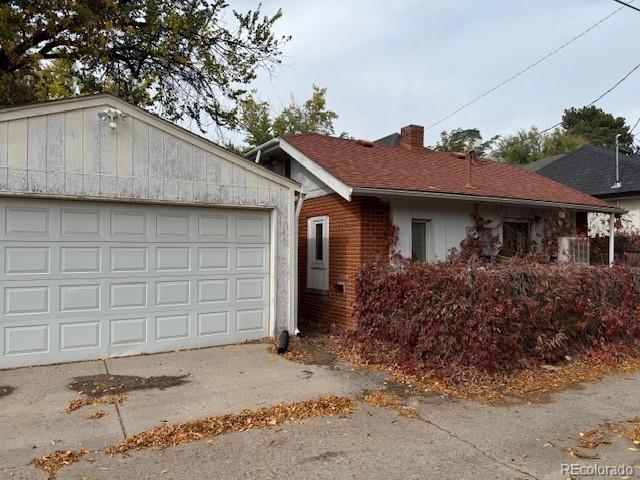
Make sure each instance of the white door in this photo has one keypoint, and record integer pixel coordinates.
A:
(84, 280)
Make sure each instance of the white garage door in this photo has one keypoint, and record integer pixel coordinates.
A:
(88, 280)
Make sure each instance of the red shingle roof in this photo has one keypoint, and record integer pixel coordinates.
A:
(398, 168)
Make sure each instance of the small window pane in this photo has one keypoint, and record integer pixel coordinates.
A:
(319, 241)
(419, 240)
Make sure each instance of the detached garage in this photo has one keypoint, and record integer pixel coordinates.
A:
(122, 234)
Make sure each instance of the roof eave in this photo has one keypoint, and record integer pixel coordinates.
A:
(487, 199)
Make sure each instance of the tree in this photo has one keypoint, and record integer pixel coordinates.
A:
(312, 116)
(529, 145)
(187, 58)
(596, 126)
(459, 140)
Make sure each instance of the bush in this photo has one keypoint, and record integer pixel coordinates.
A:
(450, 317)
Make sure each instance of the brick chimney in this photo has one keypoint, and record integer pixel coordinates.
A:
(412, 137)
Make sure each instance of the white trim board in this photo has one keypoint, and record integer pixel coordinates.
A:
(329, 180)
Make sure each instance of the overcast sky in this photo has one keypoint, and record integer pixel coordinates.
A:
(387, 64)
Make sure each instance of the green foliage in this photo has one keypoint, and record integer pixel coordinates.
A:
(311, 116)
(188, 58)
(596, 126)
(529, 145)
(460, 140)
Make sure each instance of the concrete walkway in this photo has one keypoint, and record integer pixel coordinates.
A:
(454, 439)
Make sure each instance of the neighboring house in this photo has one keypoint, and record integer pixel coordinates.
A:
(592, 170)
(121, 233)
(356, 190)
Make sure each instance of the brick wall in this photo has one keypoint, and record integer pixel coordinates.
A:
(357, 233)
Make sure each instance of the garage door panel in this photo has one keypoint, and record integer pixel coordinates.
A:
(250, 289)
(21, 260)
(252, 228)
(22, 300)
(80, 260)
(172, 292)
(110, 280)
(128, 295)
(27, 221)
(213, 323)
(79, 335)
(127, 331)
(252, 319)
(128, 224)
(213, 258)
(172, 225)
(129, 259)
(172, 327)
(214, 228)
(26, 339)
(80, 222)
(213, 291)
(173, 258)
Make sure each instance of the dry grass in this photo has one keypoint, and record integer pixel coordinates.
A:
(533, 385)
(593, 438)
(384, 399)
(77, 403)
(53, 462)
(630, 433)
(98, 414)
(194, 430)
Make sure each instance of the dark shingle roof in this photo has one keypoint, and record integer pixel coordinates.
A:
(592, 170)
(543, 162)
(392, 140)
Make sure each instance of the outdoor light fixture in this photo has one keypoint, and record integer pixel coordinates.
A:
(112, 115)
(617, 184)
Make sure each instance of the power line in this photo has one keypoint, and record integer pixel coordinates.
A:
(607, 92)
(524, 70)
(635, 125)
(627, 5)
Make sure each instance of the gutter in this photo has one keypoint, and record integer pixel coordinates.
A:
(265, 147)
(486, 199)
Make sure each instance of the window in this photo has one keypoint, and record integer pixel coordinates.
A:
(420, 239)
(318, 253)
(516, 239)
(319, 241)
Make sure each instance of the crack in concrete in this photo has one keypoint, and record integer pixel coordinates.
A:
(124, 432)
(479, 450)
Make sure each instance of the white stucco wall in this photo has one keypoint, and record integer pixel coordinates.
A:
(599, 222)
(63, 150)
(450, 220)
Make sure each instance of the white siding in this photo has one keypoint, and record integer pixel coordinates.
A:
(450, 220)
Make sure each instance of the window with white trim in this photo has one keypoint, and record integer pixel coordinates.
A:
(318, 253)
(420, 239)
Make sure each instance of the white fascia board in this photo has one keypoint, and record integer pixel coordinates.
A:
(484, 199)
(325, 177)
(105, 99)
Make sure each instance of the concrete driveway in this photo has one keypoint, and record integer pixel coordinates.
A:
(453, 439)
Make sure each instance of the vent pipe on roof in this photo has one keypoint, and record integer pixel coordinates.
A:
(617, 184)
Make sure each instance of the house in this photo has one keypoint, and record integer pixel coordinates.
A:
(592, 170)
(121, 233)
(357, 192)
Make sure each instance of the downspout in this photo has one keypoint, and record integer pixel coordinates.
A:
(612, 234)
(296, 330)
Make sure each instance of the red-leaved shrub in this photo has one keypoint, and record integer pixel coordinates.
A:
(447, 317)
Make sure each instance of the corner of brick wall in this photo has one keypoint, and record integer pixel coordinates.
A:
(357, 234)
